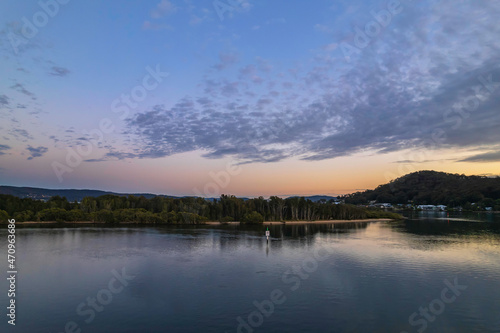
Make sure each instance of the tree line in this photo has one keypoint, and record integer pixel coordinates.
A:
(434, 188)
(187, 210)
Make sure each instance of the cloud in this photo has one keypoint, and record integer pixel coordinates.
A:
(21, 134)
(20, 88)
(3, 148)
(59, 71)
(245, 5)
(195, 20)
(4, 101)
(36, 152)
(493, 156)
(13, 41)
(331, 47)
(421, 161)
(147, 25)
(162, 9)
(226, 59)
(54, 138)
(415, 86)
(264, 65)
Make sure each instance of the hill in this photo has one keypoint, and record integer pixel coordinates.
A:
(433, 188)
(317, 198)
(70, 194)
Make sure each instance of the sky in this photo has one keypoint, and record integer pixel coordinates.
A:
(246, 97)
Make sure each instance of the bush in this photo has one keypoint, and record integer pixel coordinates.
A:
(4, 217)
(148, 217)
(190, 218)
(76, 215)
(252, 218)
(227, 219)
(53, 214)
(26, 215)
(105, 216)
(170, 217)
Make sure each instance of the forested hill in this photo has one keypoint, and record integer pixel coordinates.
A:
(433, 188)
(70, 194)
(78, 195)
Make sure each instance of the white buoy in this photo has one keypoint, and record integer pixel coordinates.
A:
(267, 234)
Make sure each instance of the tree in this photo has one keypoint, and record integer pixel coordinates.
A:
(26, 215)
(89, 205)
(252, 218)
(59, 202)
(103, 215)
(75, 215)
(4, 217)
(53, 214)
(190, 218)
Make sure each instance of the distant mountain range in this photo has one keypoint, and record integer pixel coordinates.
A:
(70, 194)
(422, 187)
(316, 198)
(78, 195)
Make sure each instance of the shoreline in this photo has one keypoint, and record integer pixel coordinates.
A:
(328, 221)
(83, 223)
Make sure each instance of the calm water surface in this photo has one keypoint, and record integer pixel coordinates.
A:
(353, 277)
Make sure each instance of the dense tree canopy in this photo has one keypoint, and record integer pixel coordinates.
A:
(188, 210)
(434, 188)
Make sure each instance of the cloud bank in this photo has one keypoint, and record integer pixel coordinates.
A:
(431, 80)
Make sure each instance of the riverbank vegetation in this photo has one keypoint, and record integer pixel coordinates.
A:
(188, 210)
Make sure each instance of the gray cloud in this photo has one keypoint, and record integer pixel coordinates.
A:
(59, 71)
(20, 88)
(3, 148)
(20, 134)
(36, 152)
(410, 88)
(422, 161)
(4, 101)
(493, 156)
(54, 138)
(226, 60)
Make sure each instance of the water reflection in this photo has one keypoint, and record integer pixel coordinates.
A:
(444, 223)
(201, 278)
(489, 217)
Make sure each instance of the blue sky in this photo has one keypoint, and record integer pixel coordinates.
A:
(287, 90)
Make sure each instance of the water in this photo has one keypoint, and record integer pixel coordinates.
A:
(353, 277)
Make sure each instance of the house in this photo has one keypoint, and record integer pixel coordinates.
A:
(383, 205)
(426, 207)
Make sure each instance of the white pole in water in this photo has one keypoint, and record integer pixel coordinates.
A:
(267, 234)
